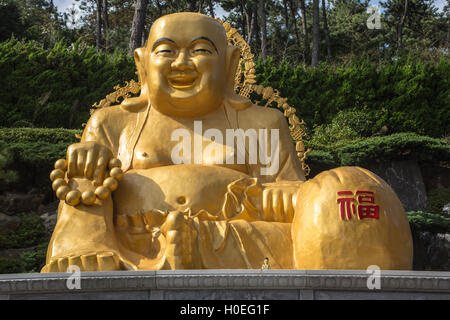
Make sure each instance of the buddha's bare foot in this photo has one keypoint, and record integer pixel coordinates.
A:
(99, 261)
(181, 237)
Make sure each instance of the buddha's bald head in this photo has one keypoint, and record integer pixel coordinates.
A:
(187, 67)
(186, 25)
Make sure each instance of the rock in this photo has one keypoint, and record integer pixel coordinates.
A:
(406, 179)
(13, 203)
(50, 209)
(7, 223)
(434, 253)
(49, 222)
(446, 210)
(50, 216)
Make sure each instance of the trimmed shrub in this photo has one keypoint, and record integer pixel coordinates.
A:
(56, 87)
(34, 150)
(30, 232)
(437, 199)
(405, 95)
(425, 221)
(8, 265)
(399, 146)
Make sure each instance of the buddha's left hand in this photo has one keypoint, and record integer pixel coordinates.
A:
(279, 200)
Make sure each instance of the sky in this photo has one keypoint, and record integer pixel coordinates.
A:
(63, 5)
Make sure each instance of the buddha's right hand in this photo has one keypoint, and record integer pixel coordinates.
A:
(88, 159)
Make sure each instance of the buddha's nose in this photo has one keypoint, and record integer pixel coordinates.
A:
(183, 61)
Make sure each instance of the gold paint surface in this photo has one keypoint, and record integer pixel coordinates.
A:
(204, 215)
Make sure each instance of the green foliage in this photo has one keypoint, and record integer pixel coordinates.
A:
(34, 260)
(346, 127)
(56, 87)
(31, 231)
(8, 265)
(320, 160)
(6, 176)
(34, 150)
(398, 146)
(29, 261)
(437, 199)
(11, 20)
(406, 95)
(425, 221)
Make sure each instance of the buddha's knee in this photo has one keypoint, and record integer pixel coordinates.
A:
(349, 218)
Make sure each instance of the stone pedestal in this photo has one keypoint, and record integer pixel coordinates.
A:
(228, 284)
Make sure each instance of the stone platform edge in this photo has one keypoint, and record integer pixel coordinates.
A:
(235, 282)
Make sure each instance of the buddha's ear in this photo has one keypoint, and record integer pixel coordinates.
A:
(233, 57)
(135, 104)
(139, 60)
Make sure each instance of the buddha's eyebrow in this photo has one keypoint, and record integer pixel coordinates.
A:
(207, 39)
(161, 40)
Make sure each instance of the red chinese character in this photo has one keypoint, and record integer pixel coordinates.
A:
(367, 211)
(368, 198)
(347, 205)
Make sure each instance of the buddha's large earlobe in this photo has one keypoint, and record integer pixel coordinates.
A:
(236, 101)
(135, 104)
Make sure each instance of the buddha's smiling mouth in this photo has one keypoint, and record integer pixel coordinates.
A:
(182, 81)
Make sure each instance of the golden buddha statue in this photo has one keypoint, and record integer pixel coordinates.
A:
(207, 203)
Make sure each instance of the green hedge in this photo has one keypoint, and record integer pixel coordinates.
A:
(400, 146)
(56, 87)
(425, 221)
(437, 199)
(405, 95)
(30, 232)
(34, 150)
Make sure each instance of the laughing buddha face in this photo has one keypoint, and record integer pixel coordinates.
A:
(186, 61)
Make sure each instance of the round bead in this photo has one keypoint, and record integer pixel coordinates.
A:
(61, 192)
(116, 173)
(88, 198)
(111, 183)
(114, 163)
(73, 197)
(102, 192)
(57, 174)
(58, 183)
(61, 164)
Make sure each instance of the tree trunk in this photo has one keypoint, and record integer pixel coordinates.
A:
(211, 8)
(262, 13)
(253, 15)
(304, 30)
(294, 17)
(325, 28)
(192, 6)
(400, 27)
(243, 19)
(105, 23)
(138, 25)
(286, 15)
(98, 29)
(316, 34)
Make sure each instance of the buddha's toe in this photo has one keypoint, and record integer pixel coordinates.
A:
(103, 261)
(108, 261)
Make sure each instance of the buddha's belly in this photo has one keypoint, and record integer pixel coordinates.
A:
(176, 187)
